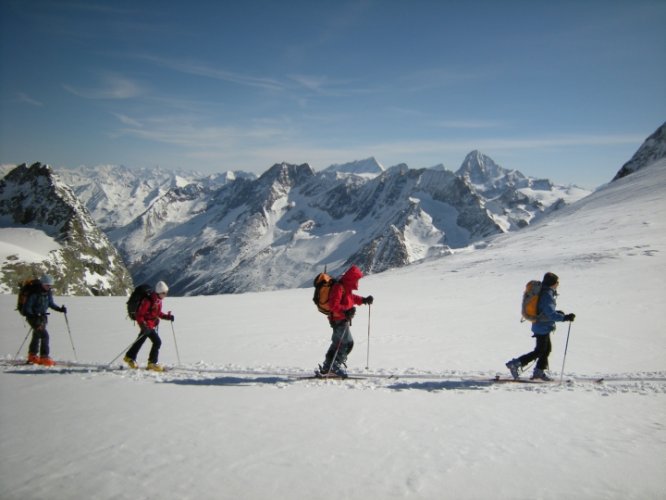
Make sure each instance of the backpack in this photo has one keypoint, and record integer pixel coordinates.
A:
(323, 283)
(26, 289)
(138, 294)
(531, 301)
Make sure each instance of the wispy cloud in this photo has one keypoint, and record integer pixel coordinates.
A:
(419, 81)
(198, 68)
(192, 133)
(110, 86)
(315, 84)
(126, 120)
(26, 99)
(468, 124)
(332, 87)
(408, 148)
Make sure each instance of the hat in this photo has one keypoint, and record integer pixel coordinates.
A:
(161, 287)
(549, 279)
(47, 279)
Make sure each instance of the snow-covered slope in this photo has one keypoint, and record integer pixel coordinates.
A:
(234, 422)
(368, 168)
(116, 195)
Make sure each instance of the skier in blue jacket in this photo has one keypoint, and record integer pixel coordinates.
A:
(541, 330)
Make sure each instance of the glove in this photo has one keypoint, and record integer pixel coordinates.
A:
(368, 300)
(569, 317)
(350, 313)
(170, 317)
(63, 310)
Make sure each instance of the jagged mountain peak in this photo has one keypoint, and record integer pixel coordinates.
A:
(34, 196)
(480, 169)
(653, 149)
(82, 260)
(287, 174)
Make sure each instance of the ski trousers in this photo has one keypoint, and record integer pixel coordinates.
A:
(146, 333)
(540, 353)
(341, 342)
(39, 344)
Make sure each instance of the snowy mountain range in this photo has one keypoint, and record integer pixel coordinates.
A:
(45, 228)
(236, 233)
(233, 232)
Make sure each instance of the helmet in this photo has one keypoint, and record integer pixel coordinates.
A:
(161, 287)
(47, 279)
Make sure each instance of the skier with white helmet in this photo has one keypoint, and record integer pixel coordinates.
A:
(148, 317)
(35, 309)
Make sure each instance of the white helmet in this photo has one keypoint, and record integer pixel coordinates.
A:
(161, 287)
(47, 279)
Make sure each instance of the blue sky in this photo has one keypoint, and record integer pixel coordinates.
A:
(566, 90)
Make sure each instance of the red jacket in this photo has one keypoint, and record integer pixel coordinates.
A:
(342, 295)
(150, 311)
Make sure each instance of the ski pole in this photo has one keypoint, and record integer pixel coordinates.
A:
(566, 346)
(126, 349)
(76, 358)
(26, 338)
(174, 340)
(335, 356)
(367, 358)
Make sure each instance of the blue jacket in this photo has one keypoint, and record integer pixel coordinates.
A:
(37, 304)
(547, 313)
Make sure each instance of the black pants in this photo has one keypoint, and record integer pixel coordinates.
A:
(146, 333)
(540, 353)
(40, 336)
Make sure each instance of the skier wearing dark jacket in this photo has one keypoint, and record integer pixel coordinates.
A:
(148, 317)
(541, 330)
(342, 300)
(35, 310)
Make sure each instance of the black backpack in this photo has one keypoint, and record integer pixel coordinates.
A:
(140, 292)
(27, 288)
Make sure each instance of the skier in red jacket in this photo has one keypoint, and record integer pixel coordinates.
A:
(342, 300)
(148, 316)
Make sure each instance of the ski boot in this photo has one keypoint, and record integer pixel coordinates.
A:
(154, 367)
(33, 359)
(514, 367)
(339, 371)
(130, 362)
(45, 361)
(539, 374)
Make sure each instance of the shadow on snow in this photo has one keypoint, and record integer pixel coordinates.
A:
(442, 385)
(230, 381)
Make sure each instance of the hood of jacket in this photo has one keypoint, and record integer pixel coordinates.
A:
(351, 278)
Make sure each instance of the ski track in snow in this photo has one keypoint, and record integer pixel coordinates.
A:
(284, 378)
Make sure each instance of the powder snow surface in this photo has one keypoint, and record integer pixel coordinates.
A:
(233, 421)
